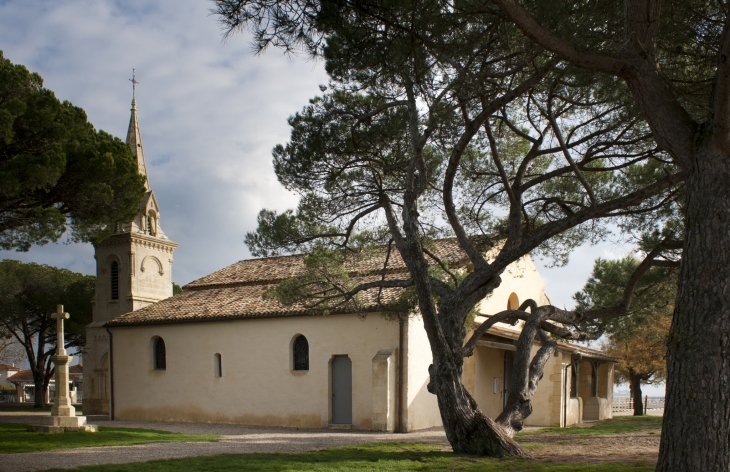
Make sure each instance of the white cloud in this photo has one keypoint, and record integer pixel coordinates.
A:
(210, 112)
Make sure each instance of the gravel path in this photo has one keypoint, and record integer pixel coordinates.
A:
(236, 439)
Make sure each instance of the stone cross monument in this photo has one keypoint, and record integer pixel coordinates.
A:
(63, 415)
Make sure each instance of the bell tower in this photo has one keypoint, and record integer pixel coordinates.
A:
(133, 270)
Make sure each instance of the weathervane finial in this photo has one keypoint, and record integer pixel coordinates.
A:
(134, 83)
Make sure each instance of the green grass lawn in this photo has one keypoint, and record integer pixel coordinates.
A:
(371, 457)
(618, 425)
(15, 438)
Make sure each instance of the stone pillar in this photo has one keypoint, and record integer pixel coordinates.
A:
(384, 391)
(61, 402)
(63, 415)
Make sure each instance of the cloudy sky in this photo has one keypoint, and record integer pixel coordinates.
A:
(209, 110)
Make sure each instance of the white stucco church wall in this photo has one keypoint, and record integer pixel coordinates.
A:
(258, 384)
(241, 370)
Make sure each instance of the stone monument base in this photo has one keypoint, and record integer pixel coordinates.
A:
(62, 424)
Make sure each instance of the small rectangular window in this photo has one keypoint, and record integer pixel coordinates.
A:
(218, 365)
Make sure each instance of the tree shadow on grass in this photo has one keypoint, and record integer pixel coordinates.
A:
(15, 438)
(619, 425)
(370, 457)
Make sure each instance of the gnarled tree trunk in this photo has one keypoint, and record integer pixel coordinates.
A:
(468, 430)
(696, 431)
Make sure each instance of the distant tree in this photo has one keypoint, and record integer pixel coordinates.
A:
(640, 338)
(56, 172)
(643, 357)
(10, 351)
(176, 289)
(29, 294)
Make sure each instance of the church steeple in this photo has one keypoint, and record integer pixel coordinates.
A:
(147, 220)
(134, 138)
(133, 270)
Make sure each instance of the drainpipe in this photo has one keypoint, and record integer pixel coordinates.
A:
(401, 360)
(111, 376)
(566, 394)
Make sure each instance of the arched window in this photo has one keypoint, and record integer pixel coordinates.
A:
(160, 355)
(218, 363)
(115, 280)
(301, 353)
(151, 224)
(513, 302)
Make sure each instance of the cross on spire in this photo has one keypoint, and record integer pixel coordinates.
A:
(134, 139)
(134, 83)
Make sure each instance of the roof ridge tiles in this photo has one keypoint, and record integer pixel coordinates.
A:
(277, 280)
(277, 268)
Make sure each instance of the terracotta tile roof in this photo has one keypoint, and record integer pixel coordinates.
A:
(26, 375)
(236, 302)
(276, 269)
(586, 351)
(22, 376)
(236, 291)
(9, 367)
(514, 334)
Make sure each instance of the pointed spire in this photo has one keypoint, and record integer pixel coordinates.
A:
(134, 138)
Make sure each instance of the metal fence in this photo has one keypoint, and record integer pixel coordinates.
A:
(627, 404)
(8, 399)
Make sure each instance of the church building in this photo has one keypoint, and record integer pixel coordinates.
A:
(223, 352)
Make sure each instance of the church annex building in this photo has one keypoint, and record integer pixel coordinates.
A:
(221, 352)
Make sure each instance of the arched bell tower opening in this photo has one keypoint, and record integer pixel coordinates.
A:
(114, 280)
(134, 270)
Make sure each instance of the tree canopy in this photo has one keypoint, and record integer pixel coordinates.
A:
(29, 293)
(443, 123)
(57, 173)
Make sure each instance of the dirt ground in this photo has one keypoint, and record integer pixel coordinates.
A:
(626, 448)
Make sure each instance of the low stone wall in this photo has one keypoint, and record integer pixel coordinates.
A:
(574, 415)
(597, 408)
